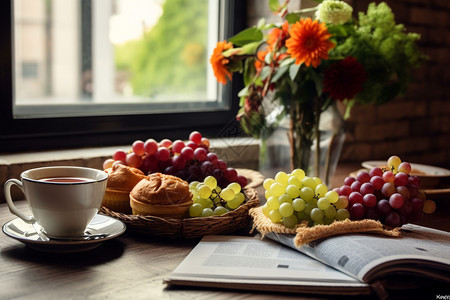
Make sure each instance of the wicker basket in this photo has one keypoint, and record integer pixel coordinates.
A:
(190, 227)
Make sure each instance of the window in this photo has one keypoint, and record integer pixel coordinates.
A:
(105, 72)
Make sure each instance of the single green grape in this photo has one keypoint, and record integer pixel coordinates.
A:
(220, 210)
(290, 221)
(393, 163)
(286, 209)
(294, 181)
(193, 184)
(206, 212)
(321, 190)
(282, 178)
(342, 214)
(292, 191)
(306, 193)
(317, 180)
(235, 202)
(267, 194)
(299, 173)
(309, 207)
(284, 198)
(265, 210)
(211, 182)
(342, 202)
(227, 194)
(240, 197)
(273, 203)
(277, 189)
(218, 189)
(330, 212)
(203, 191)
(236, 187)
(204, 202)
(308, 182)
(332, 196)
(267, 183)
(298, 204)
(316, 214)
(328, 221)
(275, 216)
(195, 210)
(323, 203)
(301, 215)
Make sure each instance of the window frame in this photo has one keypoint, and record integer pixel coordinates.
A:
(20, 135)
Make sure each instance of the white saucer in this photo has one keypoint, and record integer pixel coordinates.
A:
(24, 232)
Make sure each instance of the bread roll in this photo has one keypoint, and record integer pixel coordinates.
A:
(161, 195)
(121, 181)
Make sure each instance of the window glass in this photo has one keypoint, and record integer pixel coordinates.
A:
(89, 57)
(86, 73)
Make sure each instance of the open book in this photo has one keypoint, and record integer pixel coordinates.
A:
(346, 264)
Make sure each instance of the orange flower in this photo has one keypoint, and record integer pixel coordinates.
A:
(309, 42)
(260, 57)
(278, 34)
(219, 62)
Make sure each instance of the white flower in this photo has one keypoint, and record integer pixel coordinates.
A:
(334, 11)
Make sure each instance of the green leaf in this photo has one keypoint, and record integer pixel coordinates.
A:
(287, 61)
(279, 73)
(249, 48)
(249, 71)
(246, 36)
(293, 71)
(292, 18)
(243, 92)
(242, 101)
(261, 23)
(265, 72)
(274, 5)
(348, 107)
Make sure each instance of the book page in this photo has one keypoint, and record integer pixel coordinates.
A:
(367, 256)
(252, 260)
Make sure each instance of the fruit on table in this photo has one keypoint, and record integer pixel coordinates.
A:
(294, 198)
(210, 199)
(190, 160)
(390, 195)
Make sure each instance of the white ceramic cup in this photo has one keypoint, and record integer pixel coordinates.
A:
(62, 209)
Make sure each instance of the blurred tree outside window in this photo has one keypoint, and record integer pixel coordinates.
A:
(103, 56)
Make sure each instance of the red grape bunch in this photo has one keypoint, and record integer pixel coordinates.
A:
(190, 161)
(390, 195)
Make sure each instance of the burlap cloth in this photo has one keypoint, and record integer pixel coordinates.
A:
(305, 234)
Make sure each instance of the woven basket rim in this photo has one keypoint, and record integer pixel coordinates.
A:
(167, 226)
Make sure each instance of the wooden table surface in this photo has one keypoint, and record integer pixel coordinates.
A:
(130, 266)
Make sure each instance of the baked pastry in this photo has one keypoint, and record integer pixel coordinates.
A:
(121, 181)
(161, 195)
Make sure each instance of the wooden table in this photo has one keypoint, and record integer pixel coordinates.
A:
(130, 266)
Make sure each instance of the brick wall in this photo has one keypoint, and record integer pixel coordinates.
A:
(415, 126)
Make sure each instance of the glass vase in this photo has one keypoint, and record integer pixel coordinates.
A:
(295, 143)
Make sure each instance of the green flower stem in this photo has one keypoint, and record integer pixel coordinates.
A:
(301, 134)
(318, 112)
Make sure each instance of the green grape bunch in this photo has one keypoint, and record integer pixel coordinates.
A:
(296, 198)
(210, 199)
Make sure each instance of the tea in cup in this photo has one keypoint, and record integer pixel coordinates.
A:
(63, 200)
